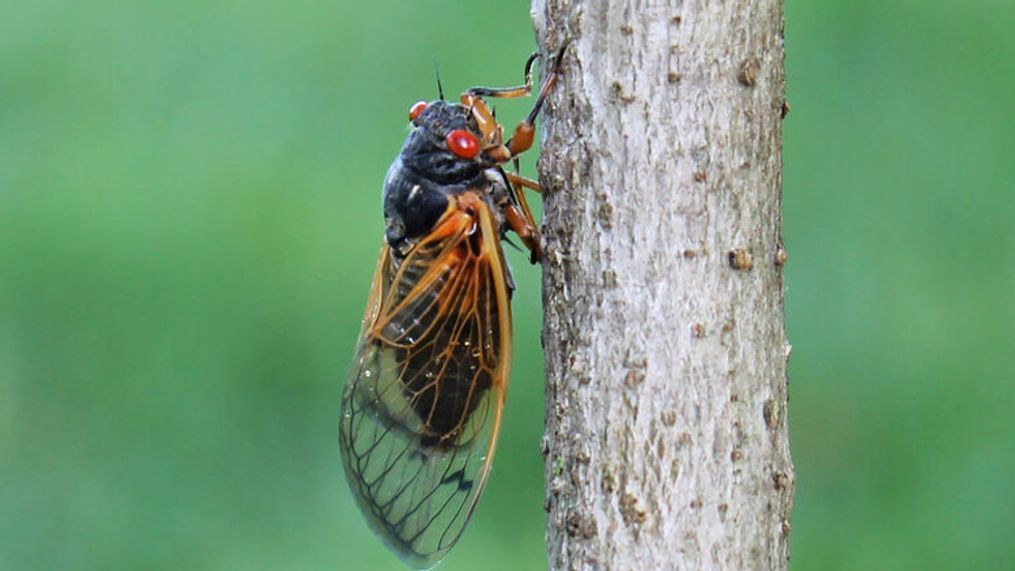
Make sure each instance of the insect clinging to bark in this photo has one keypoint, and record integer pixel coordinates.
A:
(422, 404)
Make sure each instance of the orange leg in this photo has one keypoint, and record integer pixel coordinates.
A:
(523, 182)
(522, 224)
(488, 126)
(525, 132)
(517, 215)
(473, 99)
(508, 92)
(517, 184)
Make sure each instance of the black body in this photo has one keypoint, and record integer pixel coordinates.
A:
(425, 173)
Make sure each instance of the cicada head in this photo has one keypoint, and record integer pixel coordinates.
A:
(441, 157)
(444, 135)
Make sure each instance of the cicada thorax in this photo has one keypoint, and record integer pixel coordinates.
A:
(427, 173)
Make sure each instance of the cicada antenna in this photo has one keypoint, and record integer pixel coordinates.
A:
(437, 75)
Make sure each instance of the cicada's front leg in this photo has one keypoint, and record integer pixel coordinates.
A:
(524, 133)
(491, 131)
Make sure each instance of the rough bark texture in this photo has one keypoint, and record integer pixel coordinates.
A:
(666, 440)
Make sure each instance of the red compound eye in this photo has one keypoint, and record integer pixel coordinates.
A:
(463, 143)
(416, 109)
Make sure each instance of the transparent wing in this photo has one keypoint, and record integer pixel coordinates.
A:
(422, 404)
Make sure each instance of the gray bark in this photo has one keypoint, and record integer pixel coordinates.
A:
(666, 437)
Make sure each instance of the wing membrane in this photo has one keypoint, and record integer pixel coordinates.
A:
(422, 405)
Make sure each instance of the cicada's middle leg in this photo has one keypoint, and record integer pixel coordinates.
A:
(521, 220)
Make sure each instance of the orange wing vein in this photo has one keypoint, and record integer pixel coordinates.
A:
(423, 402)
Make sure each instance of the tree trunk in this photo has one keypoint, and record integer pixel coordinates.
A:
(666, 437)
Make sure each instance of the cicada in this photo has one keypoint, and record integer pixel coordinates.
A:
(423, 402)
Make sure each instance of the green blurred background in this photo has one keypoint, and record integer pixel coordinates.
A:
(189, 219)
